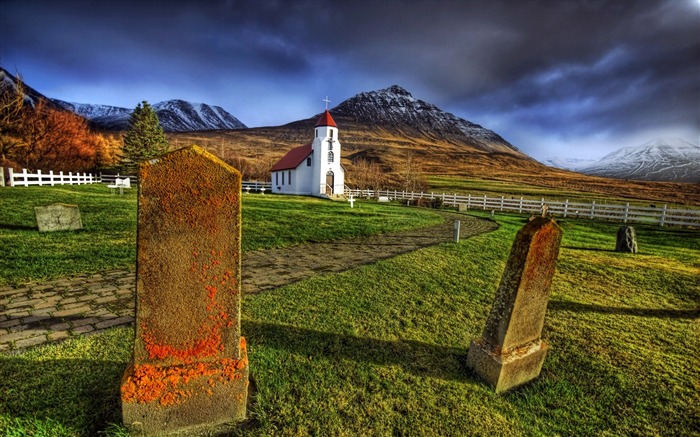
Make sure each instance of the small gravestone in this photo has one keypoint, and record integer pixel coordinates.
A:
(189, 372)
(510, 351)
(626, 240)
(462, 207)
(58, 217)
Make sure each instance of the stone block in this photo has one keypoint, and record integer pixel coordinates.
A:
(626, 240)
(58, 217)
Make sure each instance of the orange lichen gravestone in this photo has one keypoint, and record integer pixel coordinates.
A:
(510, 351)
(190, 367)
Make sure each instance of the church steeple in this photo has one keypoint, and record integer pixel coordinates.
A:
(326, 120)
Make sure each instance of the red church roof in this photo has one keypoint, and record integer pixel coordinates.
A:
(326, 120)
(293, 158)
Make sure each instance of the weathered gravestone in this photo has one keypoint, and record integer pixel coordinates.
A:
(626, 240)
(190, 368)
(510, 351)
(58, 217)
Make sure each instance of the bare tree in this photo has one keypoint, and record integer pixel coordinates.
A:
(366, 174)
(13, 108)
(411, 174)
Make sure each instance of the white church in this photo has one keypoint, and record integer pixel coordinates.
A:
(313, 169)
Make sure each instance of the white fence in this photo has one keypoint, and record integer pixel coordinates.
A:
(26, 179)
(615, 212)
(256, 186)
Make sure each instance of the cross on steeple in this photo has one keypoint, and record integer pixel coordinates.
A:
(327, 102)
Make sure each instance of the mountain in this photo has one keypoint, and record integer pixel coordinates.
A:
(101, 116)
(388, 127)
(11, 84)
(567, 163)
(396, 109)
(661, 159)
(174, 116)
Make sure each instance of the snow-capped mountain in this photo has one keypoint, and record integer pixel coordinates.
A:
(394, 107)
(182, 116)
(103, 116)
(174, 116)
(658, 160)
(10, 83)
(567, 163)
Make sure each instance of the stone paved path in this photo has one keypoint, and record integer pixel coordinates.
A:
(37, 313)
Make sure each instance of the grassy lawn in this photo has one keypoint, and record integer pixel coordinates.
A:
(108, 240)
(381, 349)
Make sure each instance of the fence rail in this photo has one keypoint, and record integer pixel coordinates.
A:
(625, 213)
(24, 178)
(256, 186)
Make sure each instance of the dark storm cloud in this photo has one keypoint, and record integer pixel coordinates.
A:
(555, 69)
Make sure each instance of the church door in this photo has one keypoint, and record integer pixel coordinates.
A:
(329, 183)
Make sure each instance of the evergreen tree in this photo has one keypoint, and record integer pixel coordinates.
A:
(144, 139)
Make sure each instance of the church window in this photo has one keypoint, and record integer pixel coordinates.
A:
(277, 178)
(308, 162)
(316, 133)
(282, 178)
(289, 177)
(330, 157)
(330, 144)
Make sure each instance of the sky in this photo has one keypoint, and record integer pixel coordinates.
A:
(566, 78)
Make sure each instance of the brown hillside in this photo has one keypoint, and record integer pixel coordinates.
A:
(391, 147)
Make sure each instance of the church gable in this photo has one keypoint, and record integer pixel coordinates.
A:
(293, 158)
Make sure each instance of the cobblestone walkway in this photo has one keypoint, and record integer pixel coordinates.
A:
(36, 313)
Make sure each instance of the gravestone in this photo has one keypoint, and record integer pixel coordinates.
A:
(58, 217)
(626, 240)
(510, 351)
(189, 372)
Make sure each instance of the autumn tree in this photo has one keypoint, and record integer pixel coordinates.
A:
(144, 139)
(51, 138)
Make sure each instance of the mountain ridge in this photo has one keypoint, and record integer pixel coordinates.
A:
(174, 115)
(661, 159)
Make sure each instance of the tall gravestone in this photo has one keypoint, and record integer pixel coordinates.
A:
(189, 372)
(510, 351)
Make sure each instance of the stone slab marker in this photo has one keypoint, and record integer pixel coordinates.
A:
(58, 217)
(189, 372)
(626, 240)
(510, 351)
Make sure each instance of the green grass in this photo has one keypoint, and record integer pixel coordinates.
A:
(108, 240)
(381, 349)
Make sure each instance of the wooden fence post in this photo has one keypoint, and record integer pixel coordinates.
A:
(627, 210)
(484, 202)
(26, 177)
(520, 208)
(469, 201)
(501, 203)
(663, 216)
(11, 177)
(592, 210)
(566, 207)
